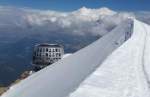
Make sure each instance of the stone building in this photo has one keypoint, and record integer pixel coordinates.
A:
(46, 54)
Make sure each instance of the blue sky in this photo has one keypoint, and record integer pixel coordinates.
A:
(69, 5)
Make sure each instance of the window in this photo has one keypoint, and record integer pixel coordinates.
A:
(59, 50)
(49, 50)
(46, 54)
(56, 50)
(59, 54)
(46, 49)
(53, 50)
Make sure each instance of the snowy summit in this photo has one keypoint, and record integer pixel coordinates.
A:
(100, 11)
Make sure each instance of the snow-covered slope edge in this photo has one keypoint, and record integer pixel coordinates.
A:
(125, 72)
(65, 76)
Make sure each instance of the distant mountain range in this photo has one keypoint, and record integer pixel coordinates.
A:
(22, 28)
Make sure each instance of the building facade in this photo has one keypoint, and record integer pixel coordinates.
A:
(46, 54)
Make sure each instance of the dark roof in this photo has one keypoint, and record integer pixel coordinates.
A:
(48, 45)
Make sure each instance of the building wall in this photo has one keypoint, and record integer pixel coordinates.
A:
(47, 55)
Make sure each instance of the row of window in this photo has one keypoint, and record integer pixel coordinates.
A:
(48, 50)
(48, 55)
(50, 59)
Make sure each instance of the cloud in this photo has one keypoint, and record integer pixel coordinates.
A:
(81, 22)
(84, 21)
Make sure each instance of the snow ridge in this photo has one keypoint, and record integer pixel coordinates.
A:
(123, 73)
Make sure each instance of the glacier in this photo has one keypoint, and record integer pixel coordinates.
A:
(117, 65)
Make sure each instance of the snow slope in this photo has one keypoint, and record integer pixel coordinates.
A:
(66, 55)
(63, 77)
(125, 73)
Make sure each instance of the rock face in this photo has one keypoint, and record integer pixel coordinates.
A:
(22, 77)
(2, 90)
